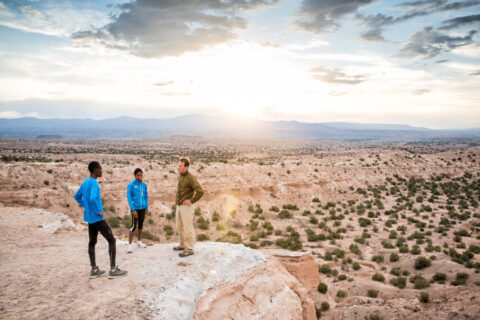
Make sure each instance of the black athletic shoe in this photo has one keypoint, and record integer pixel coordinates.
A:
(117, 273)
(95, 273)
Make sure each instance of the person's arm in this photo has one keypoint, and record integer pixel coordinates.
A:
(94, 201)
(146, 197)
(198, 190)
(79, 196)
(130, 197)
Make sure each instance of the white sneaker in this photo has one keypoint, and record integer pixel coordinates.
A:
(129, 249)
(141, 244)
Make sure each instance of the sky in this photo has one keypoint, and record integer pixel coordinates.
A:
(369, 61)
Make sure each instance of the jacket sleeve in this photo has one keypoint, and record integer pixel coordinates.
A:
(94, 200)
(130, 197)
(79, 196)
(197, 188)
(146, 196)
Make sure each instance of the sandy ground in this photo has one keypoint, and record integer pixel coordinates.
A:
(45, 275)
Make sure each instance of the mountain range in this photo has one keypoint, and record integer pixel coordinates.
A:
(218, 127)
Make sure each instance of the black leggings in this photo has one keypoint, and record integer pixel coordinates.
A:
(106, 232)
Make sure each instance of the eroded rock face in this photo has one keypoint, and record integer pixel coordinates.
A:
(269, 291)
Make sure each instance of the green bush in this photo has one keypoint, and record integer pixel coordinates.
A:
(202, 237)
(378, 277)
(322, 288)
(325, 306)
(284, 214)
(394, 257)
(325, 269)
(168, 230)
(371, 293)
(230, 237)
(127, 221)
(439, 277)
(114, 222)
(356, 266)
(341, 294)
(399, 282)
(422, 262)
(460, 279)
(377, 258)
(424, 297)
(147, 235)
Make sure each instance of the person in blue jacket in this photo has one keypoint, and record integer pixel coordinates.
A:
(88, 196)
(137, 195)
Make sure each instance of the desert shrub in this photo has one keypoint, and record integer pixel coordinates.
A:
(324, 306)
(197, 211)
(251, 245)
(231, 237)
(150, 221)
(253, 225)
(202, 237)
(354, 249)
(356, 266)
(415, 250)
(168, 230)
(424, 297)
(147, 235)
(216, 216)
(322, 288)
(203, 223)
(422, 262)
(460, 279)
(342, 277)
(46, 182)
(372, 293)
(399, 282)
(284, 214)
(274, 209)
(127, 221)
(394, 257)
(289, 206)
(114, 222)
(439, 277)
(378, 277)
(325, 269)
(341, 294)
(419, 282)
(377, 258)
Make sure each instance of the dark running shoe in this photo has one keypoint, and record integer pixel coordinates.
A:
(117, 273)
(96, 273)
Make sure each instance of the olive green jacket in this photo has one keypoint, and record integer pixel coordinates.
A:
(188, 188)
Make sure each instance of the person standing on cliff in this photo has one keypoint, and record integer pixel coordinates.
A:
(88, 196)
(137, 196)
(189, 191)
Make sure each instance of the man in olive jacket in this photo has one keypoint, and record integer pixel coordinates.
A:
(189, 191)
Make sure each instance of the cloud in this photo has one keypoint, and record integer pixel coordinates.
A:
(429, 43)
(322, 16)
(476, 73)
(10, 114)
(378, 22)
(460, 21)
(334, 75)
(149, 28)
(164, 83)
(55, 18)
(441, 61)
(419, 92)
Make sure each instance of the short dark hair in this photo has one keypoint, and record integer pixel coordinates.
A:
(93, 165)
(185, 160)
(137, 171)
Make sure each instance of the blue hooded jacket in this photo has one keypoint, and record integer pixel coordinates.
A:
(88, 196)
(137, 195)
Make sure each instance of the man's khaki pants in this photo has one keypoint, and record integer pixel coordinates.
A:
(184, 220)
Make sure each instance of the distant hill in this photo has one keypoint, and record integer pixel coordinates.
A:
(213, 127)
